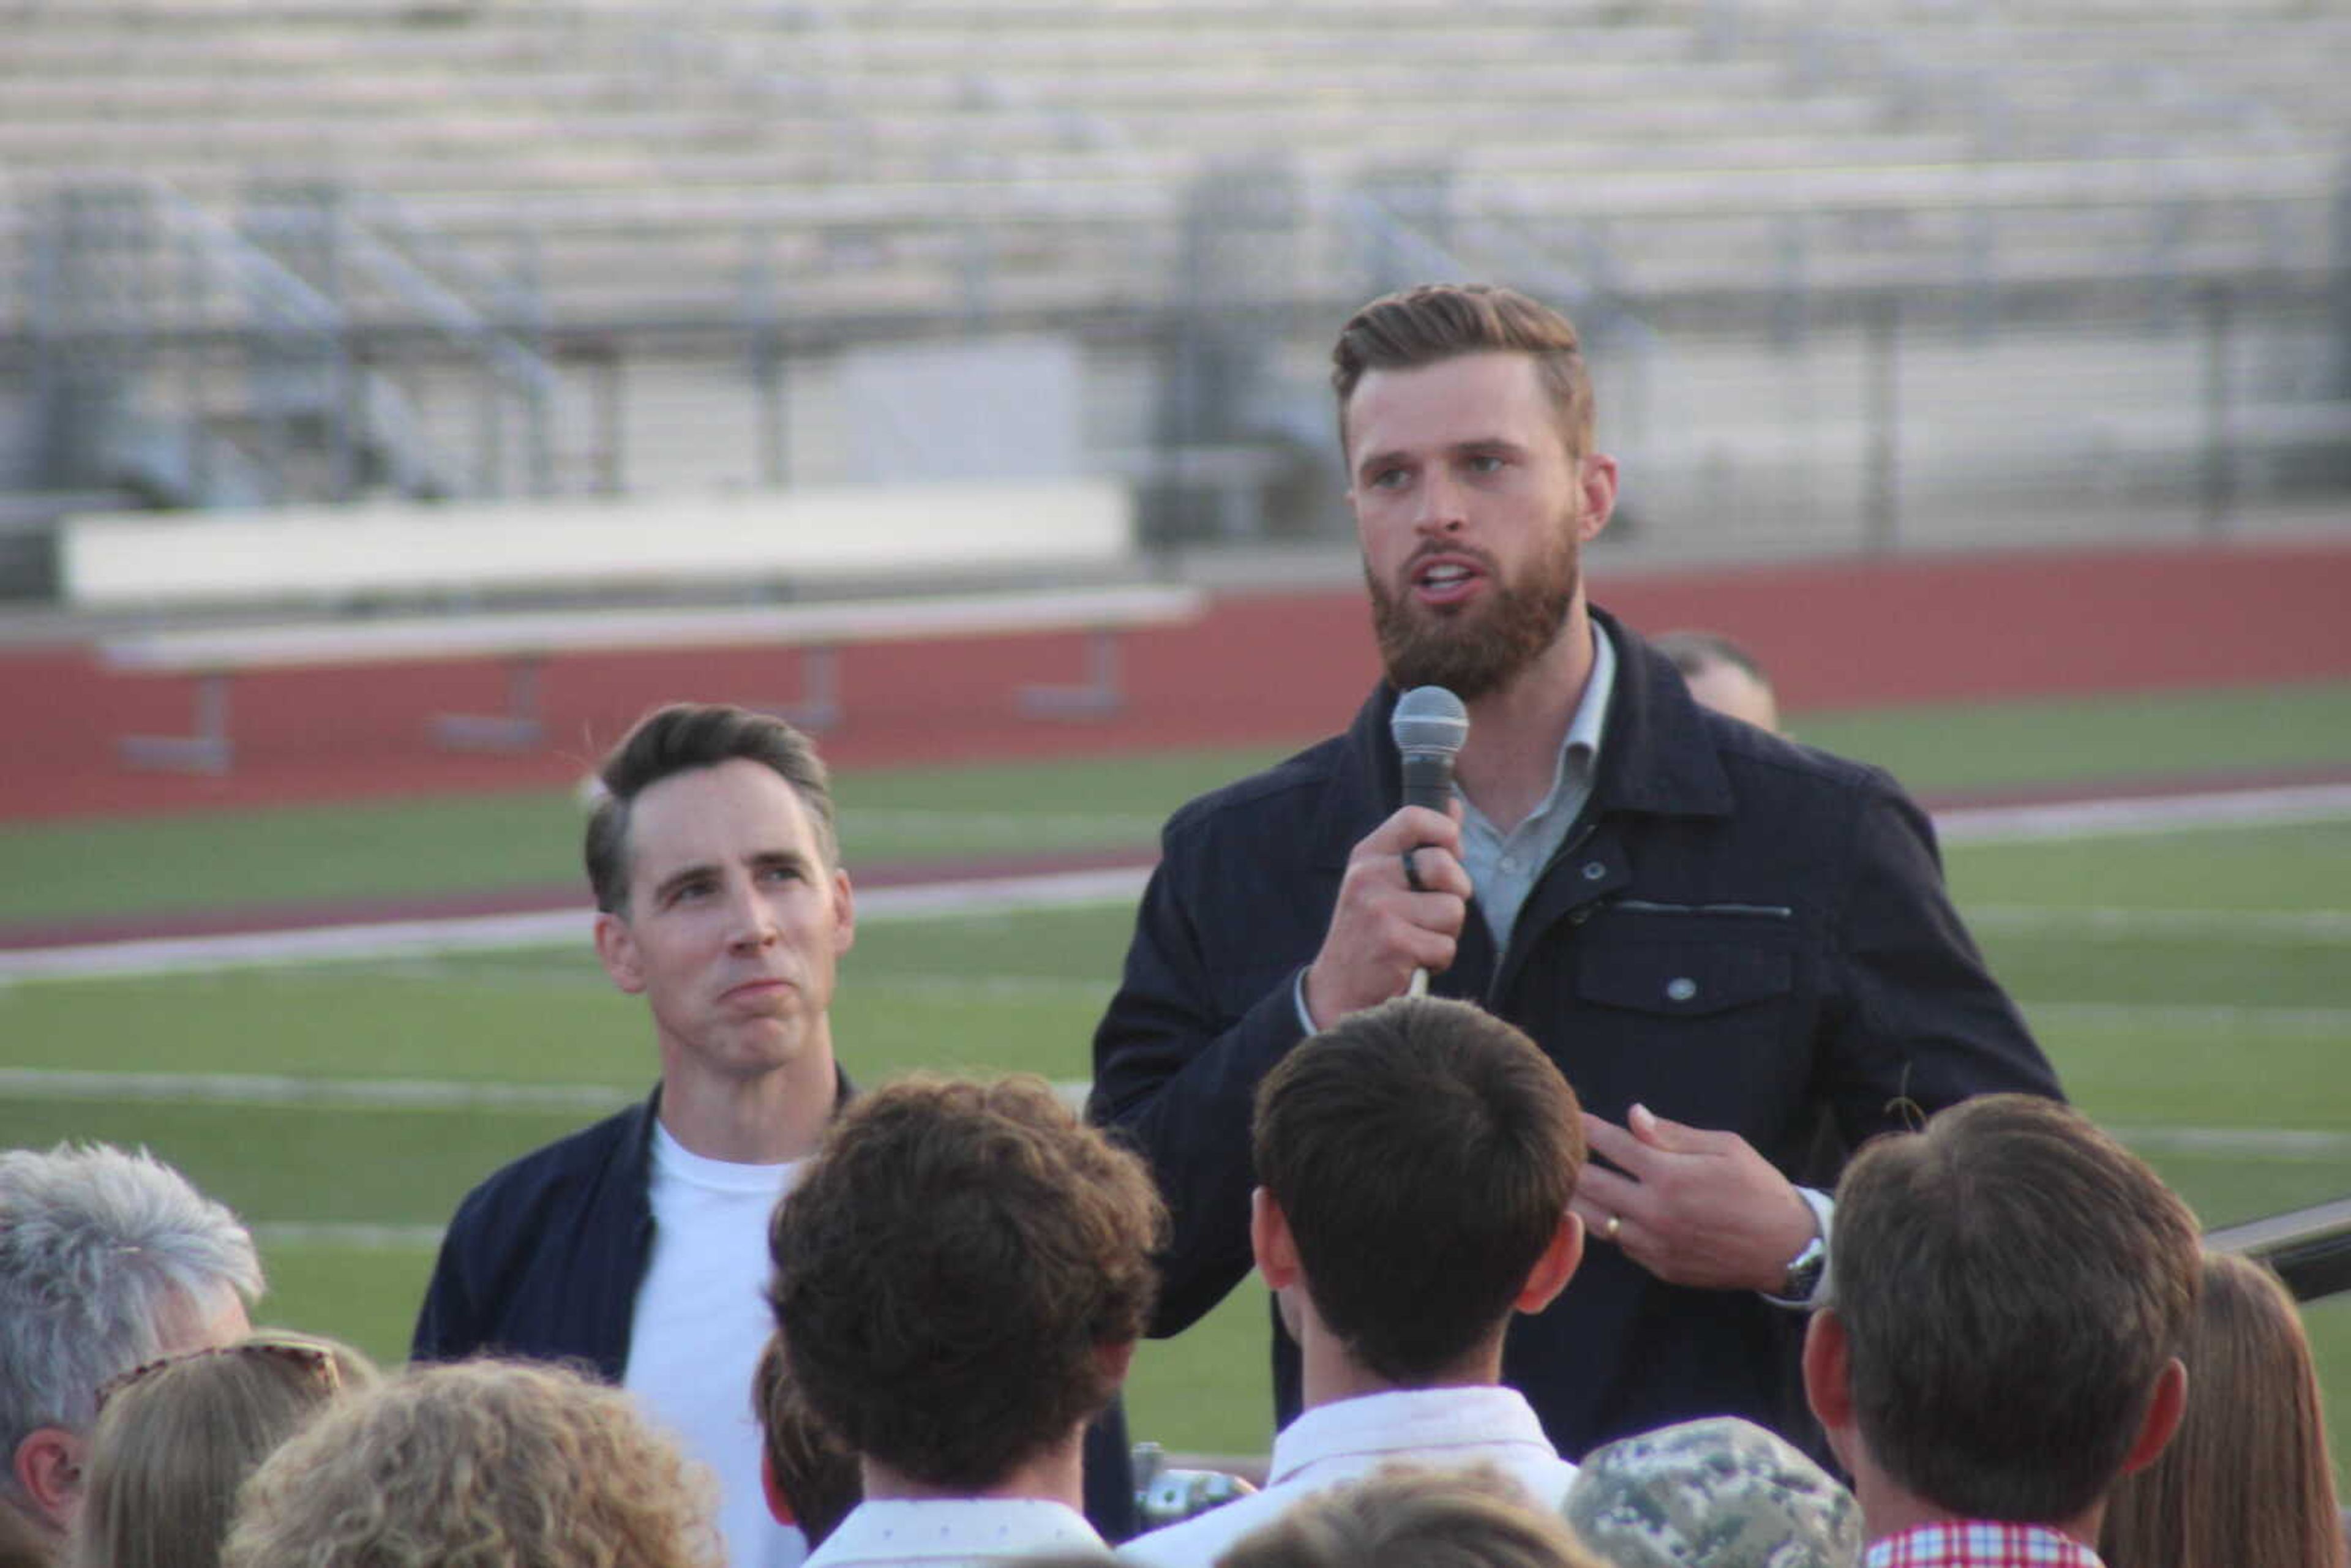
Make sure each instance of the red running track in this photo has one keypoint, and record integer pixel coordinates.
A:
(1273, 668)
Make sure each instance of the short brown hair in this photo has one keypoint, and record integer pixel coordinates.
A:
(1423, 1154)
(681, 738)
(1437, 321)
(950, 1267)
(818, 1478)
(2246, 1480)
(1406, 1517)
(479, 1461)
(2011, 1282)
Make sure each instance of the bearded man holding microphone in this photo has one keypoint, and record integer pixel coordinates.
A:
(1739, 950)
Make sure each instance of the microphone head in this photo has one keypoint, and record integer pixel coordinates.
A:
(1430, 721)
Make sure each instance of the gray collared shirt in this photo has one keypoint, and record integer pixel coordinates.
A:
(1502, 866)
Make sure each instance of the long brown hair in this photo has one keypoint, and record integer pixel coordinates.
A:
(2246, 1481)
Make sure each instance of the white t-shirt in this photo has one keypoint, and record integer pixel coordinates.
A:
(702, 1320)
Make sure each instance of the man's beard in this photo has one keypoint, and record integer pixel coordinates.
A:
(1474, 651)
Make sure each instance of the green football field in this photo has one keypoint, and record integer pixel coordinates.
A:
(2193, 981)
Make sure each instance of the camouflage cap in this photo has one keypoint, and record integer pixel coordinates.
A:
(1717, 1493)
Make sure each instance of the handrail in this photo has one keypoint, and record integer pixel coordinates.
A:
(2309, 1247)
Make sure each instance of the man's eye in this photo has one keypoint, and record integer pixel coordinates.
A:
(1485, 463)
(780, 873)
(1388, 479)
(688, 892)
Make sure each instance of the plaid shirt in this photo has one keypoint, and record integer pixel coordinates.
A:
(1977, 1543)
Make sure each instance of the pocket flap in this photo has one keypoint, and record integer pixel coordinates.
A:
(1687, 978)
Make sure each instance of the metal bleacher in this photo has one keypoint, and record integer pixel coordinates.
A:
(619, 182)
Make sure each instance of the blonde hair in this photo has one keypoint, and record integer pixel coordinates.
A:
(1407, 1517)
(2245, 1482)
(176, 1438)
(478, 1463)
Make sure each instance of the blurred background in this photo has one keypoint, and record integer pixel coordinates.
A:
(1858, 275)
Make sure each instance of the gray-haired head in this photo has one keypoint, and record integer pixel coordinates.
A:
(107, 1260)
(1716, 1493)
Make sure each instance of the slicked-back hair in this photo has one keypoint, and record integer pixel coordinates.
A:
(1694, 651)
(1423, 1152)
(2246, 1481)
(2011, 1282)
(681, 738)
(480, 1463)
(1433, 322)
(949, 1268)
(1407, 1517)
(105, 1257)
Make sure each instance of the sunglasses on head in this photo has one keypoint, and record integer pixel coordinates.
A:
(312, 1359)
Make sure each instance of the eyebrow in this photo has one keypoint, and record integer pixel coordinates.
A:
(1474, 446)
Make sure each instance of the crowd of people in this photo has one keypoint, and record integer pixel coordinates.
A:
(1713, 1208)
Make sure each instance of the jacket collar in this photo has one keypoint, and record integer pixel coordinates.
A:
(1655, 756)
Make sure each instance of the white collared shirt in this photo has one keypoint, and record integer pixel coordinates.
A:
(1351, 1438)
(947, 1532)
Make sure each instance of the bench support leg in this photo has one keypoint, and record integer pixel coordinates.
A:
(1099, 697)
(519, 728)
(204, 750)
(819, 707)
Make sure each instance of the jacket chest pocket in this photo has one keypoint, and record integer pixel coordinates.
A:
(1694, 1015)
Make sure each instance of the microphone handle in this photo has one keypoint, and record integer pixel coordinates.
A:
(1429, 780)
(1418, 985)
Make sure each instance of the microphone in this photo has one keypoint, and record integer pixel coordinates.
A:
(1430, 725)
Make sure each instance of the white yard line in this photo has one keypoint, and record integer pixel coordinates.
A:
(482, 933)
(2320, 1022)
(2264, 927)
(2145, 814)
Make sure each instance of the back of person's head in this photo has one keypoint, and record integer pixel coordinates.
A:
(176, 1438)
(679, 738)
(477, 1464)
(2246, 1481)
(1722, 675)
(1422, 1154)
(1405, 1517)
(959, 1273)
(1433, 322)
(107, 1260)
(1714, 1493)
(2011, 1284)
(812, 1480)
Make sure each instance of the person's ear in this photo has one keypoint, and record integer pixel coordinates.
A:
(844, 914)
(2162, 1418)
(779, 1507)
(1269, 1239)
(1828, 1371)
(616, 949)
(1117, 1359)
(1596, 478)
(49, 1469)
(1555, 1268)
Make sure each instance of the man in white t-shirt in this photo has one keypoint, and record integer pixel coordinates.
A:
(1416, 1162)
(639, 1244)
(960, 1278)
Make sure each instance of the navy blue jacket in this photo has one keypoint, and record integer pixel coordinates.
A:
(544, 1258)
(1738, 932)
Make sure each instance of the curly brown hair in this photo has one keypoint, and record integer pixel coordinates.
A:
(478, 1463)
(950, 1268)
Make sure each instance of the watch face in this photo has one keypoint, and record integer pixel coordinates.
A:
(1804, 1273)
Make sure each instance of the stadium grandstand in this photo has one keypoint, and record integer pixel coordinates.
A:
(1858, 274)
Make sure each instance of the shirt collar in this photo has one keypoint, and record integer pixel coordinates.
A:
(954, 1530)
(1979, 1543)
(1404, 1422)
(1579, 749)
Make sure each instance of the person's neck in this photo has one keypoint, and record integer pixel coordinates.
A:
(767, 1120)
(1055, 1475)
(1328, 1374)
(1507, 765)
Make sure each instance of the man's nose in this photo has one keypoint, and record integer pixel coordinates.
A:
(1441, 509)
(750, 922)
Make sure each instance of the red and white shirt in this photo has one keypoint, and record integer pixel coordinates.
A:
(1979, 1543)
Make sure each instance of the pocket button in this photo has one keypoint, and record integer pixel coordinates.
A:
(1680, 988)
